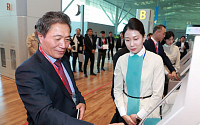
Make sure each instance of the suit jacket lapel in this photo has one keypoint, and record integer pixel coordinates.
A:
(90, 42)
(152, 46)
(49, 69)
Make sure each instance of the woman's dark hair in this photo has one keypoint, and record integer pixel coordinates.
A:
(134, 24)
(50, 18)
(167, 36)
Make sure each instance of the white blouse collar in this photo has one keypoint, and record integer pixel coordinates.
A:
(141, 53)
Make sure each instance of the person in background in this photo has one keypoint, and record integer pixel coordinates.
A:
(110, 39)
(171, 50)
(68, 51)
(101, 41)
(149, 36)
(95, 36)
(183, 46)
(90, 46)
(138, 80)
(119, 53)
(32, 43)
(77, 48)
(154, 45)
(120, 42)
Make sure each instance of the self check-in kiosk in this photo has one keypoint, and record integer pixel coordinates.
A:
(185, 110)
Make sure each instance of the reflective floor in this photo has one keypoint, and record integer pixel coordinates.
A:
(95, 89)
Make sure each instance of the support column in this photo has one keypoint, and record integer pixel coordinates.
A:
(116, 20)
(68, 6)
(17, 21)
(82, 19)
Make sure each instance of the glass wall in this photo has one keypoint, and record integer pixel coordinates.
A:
(93, 12)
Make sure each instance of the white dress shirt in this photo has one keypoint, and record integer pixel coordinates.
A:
(76, 42)
(103, 41)
(155, 42)
(182, 46)
(152, 83)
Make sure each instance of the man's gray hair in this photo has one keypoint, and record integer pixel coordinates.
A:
(50, 18)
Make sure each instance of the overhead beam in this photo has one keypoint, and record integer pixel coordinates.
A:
(125, 15)
(116, 20)
(107, 14)
(111, 14)
(121, 11)
(68, 6)
(118, 6)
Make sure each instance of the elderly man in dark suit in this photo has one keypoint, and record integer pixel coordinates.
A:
(154, 45)
(77, 48)
(45, 81)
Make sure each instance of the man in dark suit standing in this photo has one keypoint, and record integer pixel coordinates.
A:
(183, 46)
(77, 48)
(155, 46)
(101, 42)
(45, 81)
(90, 46)
(110, 39)
(120, 42)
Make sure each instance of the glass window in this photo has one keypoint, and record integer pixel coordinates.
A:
(13, 59)
(93, 12)
(3, 57)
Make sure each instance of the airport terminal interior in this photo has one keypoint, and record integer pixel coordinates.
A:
(180, 99)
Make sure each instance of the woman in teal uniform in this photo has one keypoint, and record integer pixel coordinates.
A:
(138, 78)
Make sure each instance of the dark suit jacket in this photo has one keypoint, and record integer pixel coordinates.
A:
(185, 44)
(118, 44)
(149, 45)
(89, 46)
(45, 97)
(119, 53)
(115, 58)
(110, 43)
(80, 45)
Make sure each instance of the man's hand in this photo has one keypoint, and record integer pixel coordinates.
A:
(169, 76)
(81, 107)
(93, 51)
(128, 120)
(174, 76)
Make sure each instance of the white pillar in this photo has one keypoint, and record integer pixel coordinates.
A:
(146, 16)
(18, 18)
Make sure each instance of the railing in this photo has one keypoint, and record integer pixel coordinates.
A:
(159, 104)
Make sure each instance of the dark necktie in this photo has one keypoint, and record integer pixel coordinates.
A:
(61, 71)
(91, 40)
